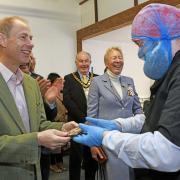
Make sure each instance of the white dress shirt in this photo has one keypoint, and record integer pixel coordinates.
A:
(14, 82)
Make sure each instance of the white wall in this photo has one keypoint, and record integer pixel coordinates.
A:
(55, 45)
(54, 24)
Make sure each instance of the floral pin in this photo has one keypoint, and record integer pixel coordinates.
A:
(130, 91)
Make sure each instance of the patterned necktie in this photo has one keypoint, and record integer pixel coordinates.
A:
(84, 79)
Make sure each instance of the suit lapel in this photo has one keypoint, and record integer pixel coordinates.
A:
(124, 89)
(110, 87)
(7, 99)
(80, 86)
(31, 103)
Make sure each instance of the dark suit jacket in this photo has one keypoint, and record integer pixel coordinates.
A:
(74, 99)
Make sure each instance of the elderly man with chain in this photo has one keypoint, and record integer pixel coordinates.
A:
(75, 94)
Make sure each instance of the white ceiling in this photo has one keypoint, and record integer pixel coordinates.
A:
(78, 1)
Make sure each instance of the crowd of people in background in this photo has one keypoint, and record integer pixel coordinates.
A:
(37, 112)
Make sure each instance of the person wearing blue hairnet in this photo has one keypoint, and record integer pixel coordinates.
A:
(155, 145)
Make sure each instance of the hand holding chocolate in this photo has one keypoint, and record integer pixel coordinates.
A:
(75, 131)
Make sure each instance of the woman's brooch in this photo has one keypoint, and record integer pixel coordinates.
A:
(130, 91)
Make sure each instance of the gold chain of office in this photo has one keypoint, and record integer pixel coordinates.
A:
(85, 85)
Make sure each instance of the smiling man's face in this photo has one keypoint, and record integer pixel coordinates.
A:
(18, 44)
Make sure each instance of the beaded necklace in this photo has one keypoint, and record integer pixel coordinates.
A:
(85, 85)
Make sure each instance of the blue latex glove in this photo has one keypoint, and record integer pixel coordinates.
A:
(92, 136)
(107, 124)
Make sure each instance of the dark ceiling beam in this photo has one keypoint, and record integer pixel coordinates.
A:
(96, 10)
(115, 22)
(135, 2)
(82, 2)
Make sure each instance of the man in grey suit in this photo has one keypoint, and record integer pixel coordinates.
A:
(23, 124)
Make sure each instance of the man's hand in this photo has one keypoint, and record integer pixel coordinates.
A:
(44, 85)
(52, 138)
(53, 91)
(59, 84)
(91, 135)
(96, 153)
(51, 94)
(99, 154)
(107, 124)
(70, 125)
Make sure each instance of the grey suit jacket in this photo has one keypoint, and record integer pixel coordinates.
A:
(19, 150)
(105, 103)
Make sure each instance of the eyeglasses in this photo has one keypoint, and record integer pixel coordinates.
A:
(140, 43)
